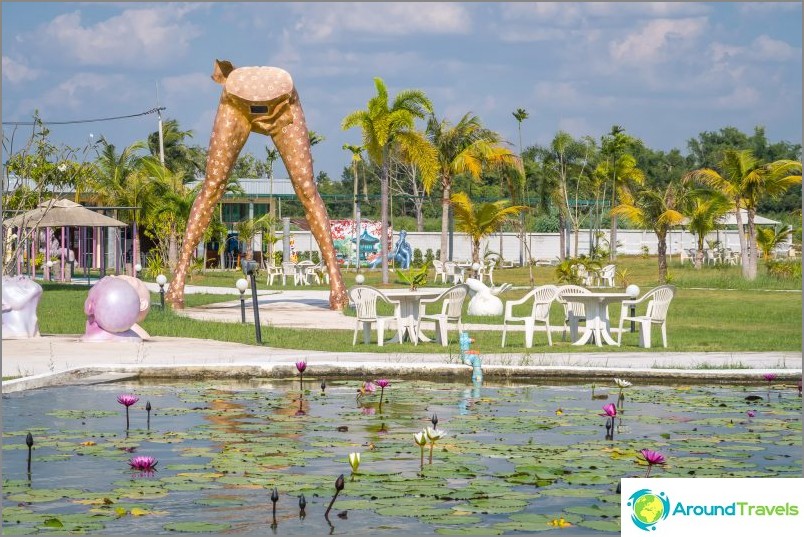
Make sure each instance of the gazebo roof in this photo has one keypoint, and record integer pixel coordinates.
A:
(61, 213)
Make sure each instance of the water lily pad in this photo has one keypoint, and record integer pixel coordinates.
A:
(196, 527)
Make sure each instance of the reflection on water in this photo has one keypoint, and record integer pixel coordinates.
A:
(510, 451)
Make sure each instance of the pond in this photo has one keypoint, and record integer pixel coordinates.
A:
(516, 457)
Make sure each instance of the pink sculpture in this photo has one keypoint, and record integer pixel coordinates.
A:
(20, 299)
(145, 302)
(112, 308)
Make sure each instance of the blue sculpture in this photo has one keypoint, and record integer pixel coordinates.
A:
(471, 358)
(402, 254)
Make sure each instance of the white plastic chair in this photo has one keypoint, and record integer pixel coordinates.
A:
(451, 311)
(542, 298)
(289, 270)
(574, 312)
(365, 300)
(439, 271)
(453, 271)
(605, 276)
(487, 270)
(658, 299)
(273, 272)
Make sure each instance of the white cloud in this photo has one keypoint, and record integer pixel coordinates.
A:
(323, 22)
(768, 49)
(657, 40)
(574, 13)
(188, 84)
(15, 71)
(135, 37)
(82, 95)
(740, 97)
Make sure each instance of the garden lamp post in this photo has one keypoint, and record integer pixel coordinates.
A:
(137, 270)
(250, 269)
(632, 291)
(242, 285)
(161, 280)
(359, 279)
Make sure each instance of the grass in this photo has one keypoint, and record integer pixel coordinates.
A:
(699, 320)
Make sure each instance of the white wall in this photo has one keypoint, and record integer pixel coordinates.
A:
(543, 245)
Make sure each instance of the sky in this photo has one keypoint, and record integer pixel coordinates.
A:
(664, 71)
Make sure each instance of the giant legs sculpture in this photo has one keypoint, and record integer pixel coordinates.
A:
(262, 100)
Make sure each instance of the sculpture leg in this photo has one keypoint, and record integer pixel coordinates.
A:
(229, 134)
(293, 144)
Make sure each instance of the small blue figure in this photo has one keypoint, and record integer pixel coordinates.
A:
(471, 358)
(402, 254)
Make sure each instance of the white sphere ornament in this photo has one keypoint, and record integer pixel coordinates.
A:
(359, 279)
(475, 266)
(137, 267)
(632, 290)
(161, 279)
(241, 285)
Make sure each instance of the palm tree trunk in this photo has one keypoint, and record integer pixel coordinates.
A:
(699, 253)
(662, 247)
(562, 236)
(445, 202)
(743, 243)
(384, 216)
(173, 248)
(752, 245)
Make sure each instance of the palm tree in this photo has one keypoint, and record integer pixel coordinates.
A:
(769, 238)
(618, 165)
(356, 151)
(703, 211)
(385, 125)
(656, 209)
(118, 182)
(463, 148)
(520, 114)
(745, 181)
(479, 221)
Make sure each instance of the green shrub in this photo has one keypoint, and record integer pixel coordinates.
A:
(417, 257)
(428, 257)
(790, 269)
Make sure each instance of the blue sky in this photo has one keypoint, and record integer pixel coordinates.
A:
(664, 71)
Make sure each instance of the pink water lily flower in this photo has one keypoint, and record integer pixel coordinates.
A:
(143, 463)
(653, 458)
(369, 387)
(770, 377)
(301, 365)
(610, 410)
(127, 399)
(382, 383)
(751, 413)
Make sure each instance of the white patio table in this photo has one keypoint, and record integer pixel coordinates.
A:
(595, 307)
(409, 303)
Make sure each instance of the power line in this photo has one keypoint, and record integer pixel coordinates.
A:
(77, 121)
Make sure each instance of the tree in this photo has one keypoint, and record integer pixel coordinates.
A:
(479, 221)
(119, 182)
(703, 211)
(520, 114)
(768, 238)
(464, 148)
(618, 165)
(383, 126)
(181, 159)
(746, 180)
(656, 209)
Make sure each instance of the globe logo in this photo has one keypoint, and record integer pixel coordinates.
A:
(648, 508)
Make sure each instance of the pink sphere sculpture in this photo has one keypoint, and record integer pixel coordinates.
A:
(112, 308)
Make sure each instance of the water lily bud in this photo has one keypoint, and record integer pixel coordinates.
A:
(339, 483)
(29, 440)
(302, 502)
(148, 406)
(434, 420)
(275, 495)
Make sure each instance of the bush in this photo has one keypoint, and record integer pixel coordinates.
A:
(784, 269)
(417, 257)
(428, 257)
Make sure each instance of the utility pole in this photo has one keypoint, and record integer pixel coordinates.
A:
(161, 135)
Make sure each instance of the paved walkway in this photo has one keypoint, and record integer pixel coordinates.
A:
(58, 359)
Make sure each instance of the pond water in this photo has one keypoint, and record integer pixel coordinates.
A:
(515, 457)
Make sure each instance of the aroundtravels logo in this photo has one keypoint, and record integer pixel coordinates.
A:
(648, 508)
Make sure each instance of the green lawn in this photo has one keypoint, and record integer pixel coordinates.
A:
(706, 315)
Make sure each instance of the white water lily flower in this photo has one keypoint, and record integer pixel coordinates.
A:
(420, 438)
(435, 434)
(622, 383)
(354, 461)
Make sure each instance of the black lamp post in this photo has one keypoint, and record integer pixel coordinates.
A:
(161, 280)
(242, 285)
(250, 269)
